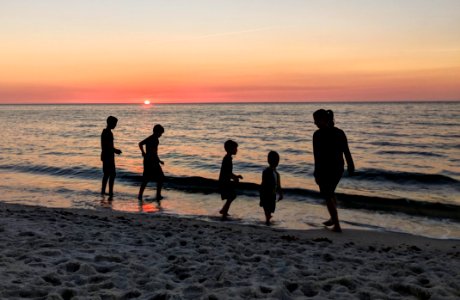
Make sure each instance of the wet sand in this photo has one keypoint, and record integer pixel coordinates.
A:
(51, 253)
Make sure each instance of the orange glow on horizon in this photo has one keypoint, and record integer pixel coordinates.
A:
(301, 51)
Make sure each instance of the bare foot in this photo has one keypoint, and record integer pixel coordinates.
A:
(328, 223)
(337, 229)
(222, 212)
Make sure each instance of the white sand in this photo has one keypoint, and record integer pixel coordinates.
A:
(79, 254)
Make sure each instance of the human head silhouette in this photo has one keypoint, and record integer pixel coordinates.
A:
(112, 122)
(158, 130)
(321, 118)
(231, 147)
(273, 159)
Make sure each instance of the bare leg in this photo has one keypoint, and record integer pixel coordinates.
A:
(225, 208)
(332, 208)
(268, 216)
(159, 187)
(328, 223)
(104, 183)
(111, 182)
(141, 190)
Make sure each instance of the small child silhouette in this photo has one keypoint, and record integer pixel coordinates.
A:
(270, 186)
(227, 179)
(152, 168)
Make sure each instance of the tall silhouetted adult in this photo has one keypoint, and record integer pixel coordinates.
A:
(152, 168)
(330, 145)
(108, 156)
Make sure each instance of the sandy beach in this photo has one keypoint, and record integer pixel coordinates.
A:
(87, 254)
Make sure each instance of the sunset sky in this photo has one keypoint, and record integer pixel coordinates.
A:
(113, 51)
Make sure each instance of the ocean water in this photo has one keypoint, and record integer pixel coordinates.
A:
(407, 158)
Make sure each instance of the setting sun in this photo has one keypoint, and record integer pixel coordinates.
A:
(147, 102)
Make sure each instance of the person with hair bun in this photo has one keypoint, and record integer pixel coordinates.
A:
(330, 145)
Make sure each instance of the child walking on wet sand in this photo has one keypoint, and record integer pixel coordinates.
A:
(152, 167)
(270, 186)
(227, 179)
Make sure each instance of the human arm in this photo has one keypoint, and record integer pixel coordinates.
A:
(279, 189)
(316, 149)
(236, 178)
(280, 195)
(155, 154)
(348, 157)
(141, 146)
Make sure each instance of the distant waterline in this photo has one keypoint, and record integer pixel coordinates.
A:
(401, 150)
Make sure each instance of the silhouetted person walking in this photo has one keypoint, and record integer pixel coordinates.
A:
(270, 186)
(152, 168)
(108, 156)
(330, 145)
(227, 179)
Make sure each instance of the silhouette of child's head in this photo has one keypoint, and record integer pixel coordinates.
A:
(323, 118)
(158, 130)
(112, 122)
(273, 159)
(231, 147)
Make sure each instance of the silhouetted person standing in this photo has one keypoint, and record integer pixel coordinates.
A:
(152, 168)
(270, 186)
(227, 179)
(330, 145)
(108, 155)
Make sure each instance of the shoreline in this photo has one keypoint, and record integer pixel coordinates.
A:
(351, 102)
(198, 185)
(57, 253)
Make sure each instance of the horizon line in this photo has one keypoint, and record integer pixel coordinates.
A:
(237, 102)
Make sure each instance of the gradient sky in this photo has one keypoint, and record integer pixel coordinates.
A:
(239, 50)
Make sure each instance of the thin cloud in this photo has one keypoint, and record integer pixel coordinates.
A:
(221, 34)
(231, 33)
(441, 50)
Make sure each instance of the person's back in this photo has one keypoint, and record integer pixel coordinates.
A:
(271, 184)
(227, 179)
(108, 152)
(152, 168)
(329, 147)
(107, 147)
(151, 149)
(226, 170)
(330, 144)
